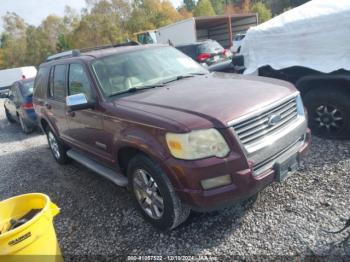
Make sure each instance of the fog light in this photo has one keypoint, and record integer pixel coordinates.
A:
(216, 182)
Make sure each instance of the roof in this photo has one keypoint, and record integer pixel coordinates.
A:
(203, 21)
(196, 43)
(98, 53)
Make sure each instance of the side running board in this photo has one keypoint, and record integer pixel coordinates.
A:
(106, 172)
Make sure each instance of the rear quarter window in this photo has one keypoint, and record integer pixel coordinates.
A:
(190, 50)
(40, 83)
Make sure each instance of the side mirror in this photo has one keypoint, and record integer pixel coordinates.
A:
(78, 102)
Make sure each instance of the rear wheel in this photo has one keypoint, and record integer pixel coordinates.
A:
(58, 149)
(24, 126)
(329, 112)
(154, 194)
(8, 116)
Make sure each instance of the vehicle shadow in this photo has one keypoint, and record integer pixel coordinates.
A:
(11, 132)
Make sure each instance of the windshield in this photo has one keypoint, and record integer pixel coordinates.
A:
(27, 88)
(146, 67)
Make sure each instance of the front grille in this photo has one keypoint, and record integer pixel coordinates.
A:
(255, 128)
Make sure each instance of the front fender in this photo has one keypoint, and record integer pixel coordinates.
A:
(151, 142)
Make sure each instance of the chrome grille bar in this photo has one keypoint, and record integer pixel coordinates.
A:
(257, 127)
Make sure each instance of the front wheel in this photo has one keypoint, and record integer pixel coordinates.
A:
(154, 194)
(58, 149)
(329, 113)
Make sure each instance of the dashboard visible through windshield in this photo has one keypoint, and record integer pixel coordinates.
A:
(143, 68)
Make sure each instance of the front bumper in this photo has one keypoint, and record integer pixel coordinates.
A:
(186, 176)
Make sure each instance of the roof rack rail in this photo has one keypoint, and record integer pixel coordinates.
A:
(77, 52)
(69, 53)
(128, 43)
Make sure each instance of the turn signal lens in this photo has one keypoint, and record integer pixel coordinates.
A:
(216, 182)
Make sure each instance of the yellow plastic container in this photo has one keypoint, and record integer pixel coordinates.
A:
(36, 239)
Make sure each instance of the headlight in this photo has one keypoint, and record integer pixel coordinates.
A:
(197, 144)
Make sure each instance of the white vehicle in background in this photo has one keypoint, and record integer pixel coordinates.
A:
(220, 28)
(237, 42)
(309, 47)
(9, 76)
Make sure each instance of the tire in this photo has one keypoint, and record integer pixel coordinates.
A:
(151, 186)
(329, 113)
(58, 149)
(25, 128)
(9, 117)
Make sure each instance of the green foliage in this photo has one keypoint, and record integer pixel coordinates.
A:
(204, 8)
(264, 13)
(190, 4)
(110, 21)
(219, 6)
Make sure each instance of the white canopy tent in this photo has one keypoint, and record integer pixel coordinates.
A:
(315, 35)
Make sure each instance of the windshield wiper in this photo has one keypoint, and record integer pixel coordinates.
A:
(179, 77)
(135, 89)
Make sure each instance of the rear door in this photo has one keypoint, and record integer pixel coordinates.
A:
(86, 126)
(55, 104)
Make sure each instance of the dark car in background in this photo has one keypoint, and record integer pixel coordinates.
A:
(19, 105)
(207, 52)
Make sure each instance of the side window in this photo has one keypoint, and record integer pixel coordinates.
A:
(40, 83)
(78, 81)
(57, 88)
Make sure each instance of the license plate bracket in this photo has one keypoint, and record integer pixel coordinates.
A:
(286, 168)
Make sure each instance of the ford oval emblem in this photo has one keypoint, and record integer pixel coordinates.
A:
(274, 120)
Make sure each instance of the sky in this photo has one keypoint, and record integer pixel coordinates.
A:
(34, 11)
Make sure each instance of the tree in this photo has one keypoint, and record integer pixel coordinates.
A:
(246, 6)
(204, 8)
(151, 14)
(190, 4)
(184, 13)
(13, 40)
(219, 6)
(263, 12)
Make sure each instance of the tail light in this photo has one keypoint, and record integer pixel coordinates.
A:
(27, 106)
(203, 57)
(227, 53)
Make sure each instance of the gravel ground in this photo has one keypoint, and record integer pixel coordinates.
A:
(98, 218)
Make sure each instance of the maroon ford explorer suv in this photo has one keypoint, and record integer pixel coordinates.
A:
(152, 119)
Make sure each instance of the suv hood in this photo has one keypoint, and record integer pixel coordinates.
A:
(207, 101)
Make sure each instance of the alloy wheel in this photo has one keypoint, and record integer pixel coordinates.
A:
(148, 194)
(53, 145)
(329, 119)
